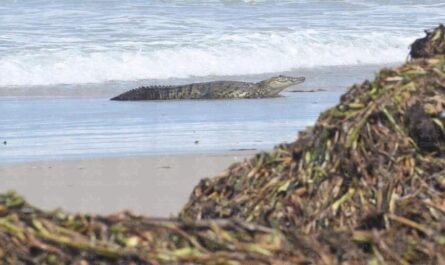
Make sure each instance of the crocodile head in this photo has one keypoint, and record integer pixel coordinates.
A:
(276, 84)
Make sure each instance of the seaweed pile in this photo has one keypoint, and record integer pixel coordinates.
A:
(374, 164)
(431, 45)
(32, 236)
(364, 185)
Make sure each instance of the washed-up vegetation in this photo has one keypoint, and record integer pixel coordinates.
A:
(373, 165)
(364, 185)
(431, 45)
(31, 236)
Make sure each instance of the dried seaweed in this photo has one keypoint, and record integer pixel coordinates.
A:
(374, 163)
(32, 236)
(432, 44)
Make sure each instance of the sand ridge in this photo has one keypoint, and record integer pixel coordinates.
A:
(151, 185)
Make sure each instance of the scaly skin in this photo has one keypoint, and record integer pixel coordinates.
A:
(213, 90)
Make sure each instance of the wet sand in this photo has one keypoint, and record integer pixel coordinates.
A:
(152, 185)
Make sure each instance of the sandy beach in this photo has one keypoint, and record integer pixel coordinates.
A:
(151, 185)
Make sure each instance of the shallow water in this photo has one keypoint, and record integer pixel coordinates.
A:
(69, 128)
(48, 128)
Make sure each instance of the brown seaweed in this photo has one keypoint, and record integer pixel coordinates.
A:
(375, 163)
(431, 45)
(32, 236)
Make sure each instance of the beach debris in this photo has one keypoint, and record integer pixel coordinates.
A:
(373, 165)
(242, 149)
(364, 185)
(307, 91)
(32, 236)
(432, 44)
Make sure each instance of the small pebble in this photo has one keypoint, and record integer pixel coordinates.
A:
(196, 142)
(5, 143)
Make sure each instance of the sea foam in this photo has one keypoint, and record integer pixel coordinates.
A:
(49, 42)
(227, 54)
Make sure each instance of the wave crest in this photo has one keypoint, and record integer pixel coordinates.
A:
(228, 54)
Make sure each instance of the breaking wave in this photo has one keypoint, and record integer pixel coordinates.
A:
(229, 54)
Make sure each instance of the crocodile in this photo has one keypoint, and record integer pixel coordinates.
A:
(213, 90)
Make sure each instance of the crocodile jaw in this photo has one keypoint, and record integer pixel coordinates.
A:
(275, 85)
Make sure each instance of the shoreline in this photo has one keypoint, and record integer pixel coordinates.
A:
(153, 185)
(86, 158)
(329, 78)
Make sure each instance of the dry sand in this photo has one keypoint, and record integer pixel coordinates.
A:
(152, 185)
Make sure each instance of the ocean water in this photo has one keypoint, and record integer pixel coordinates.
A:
(50, 42)
(102, 47)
